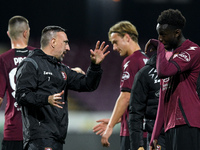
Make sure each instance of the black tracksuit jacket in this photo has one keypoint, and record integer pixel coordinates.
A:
(40, 76)
(143, 102)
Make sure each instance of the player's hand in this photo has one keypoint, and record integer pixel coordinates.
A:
(78, 70)
(99, 53)
(105, 137)
(54, 99)
(1, 101)
(150, 148)
(155, 145)
(151, 47)
(155, 142)
(101, 127)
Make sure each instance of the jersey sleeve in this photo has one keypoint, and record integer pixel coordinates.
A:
(2, 78)
(164, 67)
(85, 83)
(130, 68)
(187, 59)
(159, 123)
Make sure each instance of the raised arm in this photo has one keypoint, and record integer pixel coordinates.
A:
(164, 67)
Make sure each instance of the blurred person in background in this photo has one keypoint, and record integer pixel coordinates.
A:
(124, 37)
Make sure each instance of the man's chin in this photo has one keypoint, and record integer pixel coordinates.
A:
(167, 48)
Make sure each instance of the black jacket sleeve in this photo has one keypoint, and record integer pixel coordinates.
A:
(137, 106)
(85, 83)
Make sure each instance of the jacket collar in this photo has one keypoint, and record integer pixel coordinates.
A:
(52, 59)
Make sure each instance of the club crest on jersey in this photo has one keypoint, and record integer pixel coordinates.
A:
(125, 75)
(185, 56)
(64, 75)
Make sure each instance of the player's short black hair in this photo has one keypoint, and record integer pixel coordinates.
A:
(48, 33)
(16, 26)
(172, 17)
(53, 28)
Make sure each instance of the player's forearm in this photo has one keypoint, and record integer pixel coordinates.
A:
(164, 68)
(119, 109)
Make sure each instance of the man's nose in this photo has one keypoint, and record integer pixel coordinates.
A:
(160, 38)
(67, 48)
(114, 47)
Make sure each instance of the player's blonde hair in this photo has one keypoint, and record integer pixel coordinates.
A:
(122, 28)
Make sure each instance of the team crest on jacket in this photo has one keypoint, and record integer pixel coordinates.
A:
(64, 75)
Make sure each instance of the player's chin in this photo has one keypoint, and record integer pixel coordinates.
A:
(168, 48)
(61, 58)
(122, 54)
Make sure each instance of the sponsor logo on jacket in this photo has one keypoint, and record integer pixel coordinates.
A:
(48, 73)
(64, 75)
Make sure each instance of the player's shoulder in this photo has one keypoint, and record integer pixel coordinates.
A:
(7, 54)
(31, 48)
(191, 46)
(145, 70)
(137, 56)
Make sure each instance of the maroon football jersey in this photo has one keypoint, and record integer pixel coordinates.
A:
(8, 66)
(130, 66)
(178, 102)
(181, 100)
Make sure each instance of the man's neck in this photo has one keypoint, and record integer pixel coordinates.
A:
(134, 48)
(18, 44)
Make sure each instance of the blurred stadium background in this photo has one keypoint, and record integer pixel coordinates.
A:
(86, 22)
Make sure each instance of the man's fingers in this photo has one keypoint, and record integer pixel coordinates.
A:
(96, 128)
(97, 45)
(98, 133)
(102, 45)
(58, 95)
(58, 106)
(61, 93)
(101, 120)
(59, 102)
(155, 143)
(106, 53)
(105, 48)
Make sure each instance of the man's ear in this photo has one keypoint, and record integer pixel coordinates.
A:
(25, 34)
(53, 42)
(8, 34)
(177, 32)
(127, 37)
